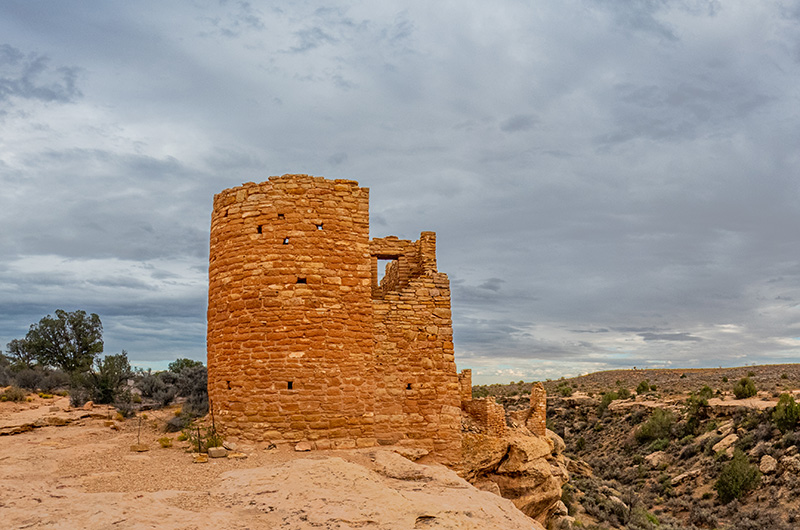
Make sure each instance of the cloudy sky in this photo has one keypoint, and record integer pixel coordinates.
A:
(613, 183)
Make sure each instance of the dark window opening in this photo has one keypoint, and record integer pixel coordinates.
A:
(289, 384)
(302, 280)
(285, 240)
(281, 216)
(319, 226)
(408, 386)
(226, 213)
(258, 229)
(229, 384)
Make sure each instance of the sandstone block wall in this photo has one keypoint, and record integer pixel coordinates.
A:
(537, 421)
(490, 415)
(305, 343)
(417, 398)
(465, 386)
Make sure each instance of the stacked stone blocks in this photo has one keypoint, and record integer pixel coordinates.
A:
(304, 342)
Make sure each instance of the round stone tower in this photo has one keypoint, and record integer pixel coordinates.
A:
(290, 335)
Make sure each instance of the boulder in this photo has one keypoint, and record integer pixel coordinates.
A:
(524, 451)
(658, 458)
(579, 467)
(768, 465)
(683, 477)
(726, 443)
(303, 446)
(481, 454)
(791, 463)
(558, 443)
(217, 452)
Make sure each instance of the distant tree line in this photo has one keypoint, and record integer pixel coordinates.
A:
(62, 352)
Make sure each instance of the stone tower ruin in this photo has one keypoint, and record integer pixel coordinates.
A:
(306, 343)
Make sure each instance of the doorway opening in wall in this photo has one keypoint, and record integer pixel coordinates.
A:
(408, 386)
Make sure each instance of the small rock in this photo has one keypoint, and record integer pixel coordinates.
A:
(768, 465)
(579, 467)
(237, 455)
(109, 423)
(139, 448)
(657, 458)
(561, 509)
(271, 446)
(791, 463)
(412, 453)
(488, 485)
(199, 458)
(55, 409)
(217, 452)
(685, 476)
(725, 443)
(303, 446)
(230, 446)
(791, 450)
(89, 405)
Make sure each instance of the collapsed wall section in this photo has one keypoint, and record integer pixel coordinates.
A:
(417, 399)
(290, 329)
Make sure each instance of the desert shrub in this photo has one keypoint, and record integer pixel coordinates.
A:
(744, 388)
(580, 445)
(737, 478)
(193, 384)
(623, 393)
(786, 413)
(565, 390)
(656, 427)
(725, 379)
(165, 441)
(14, 393)
(78, 395)
(643, 387)
(53, 380)
(201, 439)
(29, 378)
(659, 445)
(107, 383)
(751, 374)
(706, 392)
(606, 400)
(696, 412)
(784, 376)
(701, 515)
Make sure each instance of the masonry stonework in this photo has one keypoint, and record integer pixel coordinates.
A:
(304, 341)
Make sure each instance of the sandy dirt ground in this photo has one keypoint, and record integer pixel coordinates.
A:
(74, 469)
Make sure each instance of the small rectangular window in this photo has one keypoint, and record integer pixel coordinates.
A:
(408, 386)
(289, 384)
(259, 229)
(319, 226)
(285, 240)
(281, 216)
(301, 280)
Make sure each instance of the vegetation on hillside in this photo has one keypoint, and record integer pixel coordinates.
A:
(673, 456)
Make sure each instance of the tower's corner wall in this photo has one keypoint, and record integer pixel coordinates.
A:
(417, 397)
(290, 333)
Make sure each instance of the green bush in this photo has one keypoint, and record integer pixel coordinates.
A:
(656, 427)
(725, 379)
(623, 393)
(745, 388)
(696, 411)
(786, 413)
(565, 390)
(643, 387)
(706, 392)
(608, 397)
(737, 478)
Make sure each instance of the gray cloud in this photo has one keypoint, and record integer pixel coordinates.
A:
(29, 76)
(612, 185)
